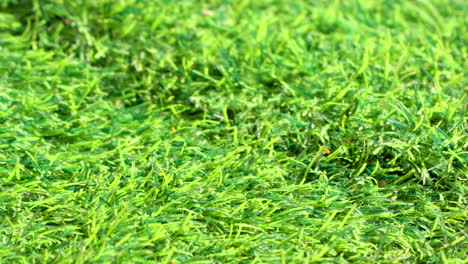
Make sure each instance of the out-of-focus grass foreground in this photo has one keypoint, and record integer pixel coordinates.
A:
(273, 131)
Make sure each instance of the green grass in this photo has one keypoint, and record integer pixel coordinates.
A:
(273, 131)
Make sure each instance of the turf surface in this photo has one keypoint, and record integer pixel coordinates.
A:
(273, 131)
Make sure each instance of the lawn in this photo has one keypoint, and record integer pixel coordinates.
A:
(268, 131)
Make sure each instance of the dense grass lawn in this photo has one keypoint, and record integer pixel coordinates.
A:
(272, 131)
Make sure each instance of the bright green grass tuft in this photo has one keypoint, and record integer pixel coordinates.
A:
(273, 131)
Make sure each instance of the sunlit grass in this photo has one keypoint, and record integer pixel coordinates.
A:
(233, 131)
